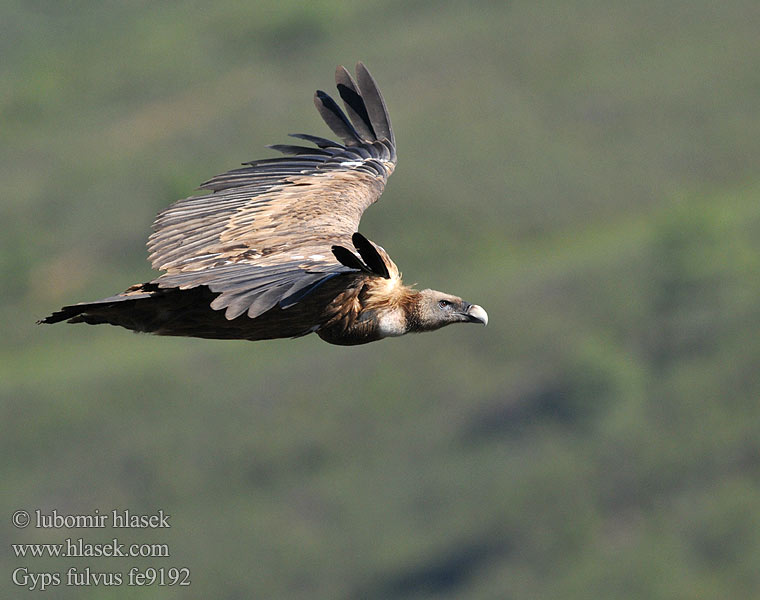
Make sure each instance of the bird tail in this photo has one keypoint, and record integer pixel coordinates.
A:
(116, 310)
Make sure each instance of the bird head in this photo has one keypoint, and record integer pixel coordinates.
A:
(437, 309)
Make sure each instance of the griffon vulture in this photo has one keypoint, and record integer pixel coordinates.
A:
(272, 249)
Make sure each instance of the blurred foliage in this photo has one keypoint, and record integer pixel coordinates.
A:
(587, 171)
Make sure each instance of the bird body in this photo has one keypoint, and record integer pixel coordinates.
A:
(266, 253)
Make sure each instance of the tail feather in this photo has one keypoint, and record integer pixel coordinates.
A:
(97, 312)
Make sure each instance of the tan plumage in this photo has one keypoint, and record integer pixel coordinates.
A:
(266, 252)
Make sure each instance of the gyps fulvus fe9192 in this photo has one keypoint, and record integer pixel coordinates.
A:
(272, 250)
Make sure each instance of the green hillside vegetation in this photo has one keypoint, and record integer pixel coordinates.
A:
(585, 171)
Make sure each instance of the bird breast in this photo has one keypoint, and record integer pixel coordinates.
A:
(392, 323)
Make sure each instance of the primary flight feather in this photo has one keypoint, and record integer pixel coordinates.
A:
(272, 250)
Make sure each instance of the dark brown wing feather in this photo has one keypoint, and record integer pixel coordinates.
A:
(264, 234)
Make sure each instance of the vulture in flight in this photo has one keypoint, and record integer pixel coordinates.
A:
(271, 250)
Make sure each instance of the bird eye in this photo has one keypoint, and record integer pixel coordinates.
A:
(444, 303)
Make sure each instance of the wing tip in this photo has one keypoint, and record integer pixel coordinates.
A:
(369, 118)
(370, 255)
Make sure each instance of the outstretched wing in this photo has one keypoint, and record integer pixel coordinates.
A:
(263, 235)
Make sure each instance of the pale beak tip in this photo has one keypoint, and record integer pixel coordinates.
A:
(478, 313)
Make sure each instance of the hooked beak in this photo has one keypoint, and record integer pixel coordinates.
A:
(476, 314)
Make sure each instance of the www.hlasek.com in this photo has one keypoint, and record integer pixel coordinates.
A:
(78, 547)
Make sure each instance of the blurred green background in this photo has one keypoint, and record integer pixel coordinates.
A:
(587, 171)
